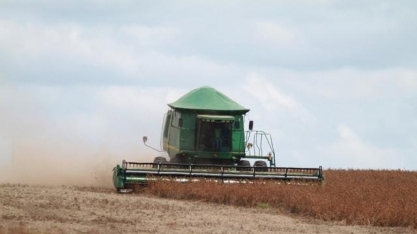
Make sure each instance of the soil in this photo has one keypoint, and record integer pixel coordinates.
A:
(71, 209)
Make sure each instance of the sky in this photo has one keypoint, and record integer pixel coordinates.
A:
(334, 82)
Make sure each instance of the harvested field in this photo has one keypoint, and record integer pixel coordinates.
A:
(31, 209)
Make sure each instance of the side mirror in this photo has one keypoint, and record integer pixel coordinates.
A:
(251, 125)
(249, 146)
(145, 139)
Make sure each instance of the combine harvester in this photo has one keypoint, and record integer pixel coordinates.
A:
(204, 137)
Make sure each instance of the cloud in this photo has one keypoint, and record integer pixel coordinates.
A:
(76, 54)
(66, 47)
(269, 95)
(350, 83)
(350, 151)
(151, 36)
(323, 34)
(104, 72)
(275, 33)
(273, 99)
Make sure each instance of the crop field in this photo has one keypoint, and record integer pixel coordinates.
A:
(350, 201)
(354, 197)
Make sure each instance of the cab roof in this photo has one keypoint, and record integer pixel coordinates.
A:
(208, 99)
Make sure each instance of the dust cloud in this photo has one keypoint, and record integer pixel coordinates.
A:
(47, 150)
(54, 162)
(61, 164)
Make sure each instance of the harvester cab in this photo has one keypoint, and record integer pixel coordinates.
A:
(204, 137)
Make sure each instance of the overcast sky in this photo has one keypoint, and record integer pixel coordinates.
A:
(334, 82)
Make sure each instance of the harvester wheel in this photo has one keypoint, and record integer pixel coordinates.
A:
(159, 160)
(260, 166)
(242, 165)
(177, 159)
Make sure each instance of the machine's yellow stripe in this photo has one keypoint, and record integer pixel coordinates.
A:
(172, 147)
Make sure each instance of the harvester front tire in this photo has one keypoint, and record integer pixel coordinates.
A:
(260, 166)
(177, 160)
(159, 160)
(243, 165)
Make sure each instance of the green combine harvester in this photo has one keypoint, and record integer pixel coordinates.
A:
(203, 134)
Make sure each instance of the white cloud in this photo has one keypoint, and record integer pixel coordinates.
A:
(350, 151)
(275, 33)
(131, 60)
(65, 41)
(151, 35)
(68, 48)
(132, 99)
(355, 84)
(182, 70)
(268, 94)
(273, 99)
